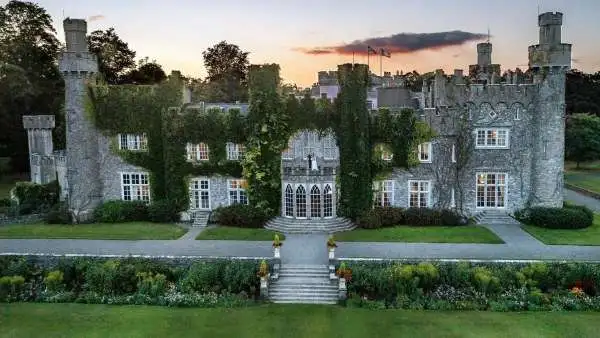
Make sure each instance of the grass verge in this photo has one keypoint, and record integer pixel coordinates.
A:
(124, 231)
(424, 234)
(587, 236)
(81, 320)
(238, 234)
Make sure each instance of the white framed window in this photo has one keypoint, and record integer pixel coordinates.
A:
(288, 154)
(135, 187)
(200, 193)
(237, 191)
(134, 142)
(453, 153)
(197, 152)
(491, 138)
(311, 145)
(424, 151)
(452, 200)
(235, 151)
(383, 195)
(419, 194)
(329, 147)
(491, 190)
(518, 113)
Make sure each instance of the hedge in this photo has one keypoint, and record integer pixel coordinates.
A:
(129, 281)
(240, 215)
(568, 217)
(379, 217)
(475, 286)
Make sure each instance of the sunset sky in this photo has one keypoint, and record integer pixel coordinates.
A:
(175, 32)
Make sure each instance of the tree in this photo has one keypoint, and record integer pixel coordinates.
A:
(582, 138)
(582, 92)
(114, 56)
(147, 73)
(31, 81)
(227, 68)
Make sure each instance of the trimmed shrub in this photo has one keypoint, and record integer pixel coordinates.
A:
(5, 202)
(392, 216)
(163, 211)
(121, 211)
(59, 214)
(370, 220)
(422, 216)
(571, 217)
(241, 216)
(35, 198)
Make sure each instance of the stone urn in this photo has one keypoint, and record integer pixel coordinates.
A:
(342, 285)
(331, 252)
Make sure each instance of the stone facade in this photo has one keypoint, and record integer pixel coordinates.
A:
(499, 143)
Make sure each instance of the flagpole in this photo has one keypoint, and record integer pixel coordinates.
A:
(381, 64)
(353, 57)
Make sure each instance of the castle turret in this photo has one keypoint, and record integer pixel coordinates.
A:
(549, 62)
(484, 54)
(39, 138)
(77, 66)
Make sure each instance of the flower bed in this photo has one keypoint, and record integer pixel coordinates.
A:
(130, 281)
(484, 287)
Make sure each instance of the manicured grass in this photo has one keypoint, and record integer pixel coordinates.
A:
(133, 230)
(589, 179)
(238, 234)
(593, 165)
(80, 320)
(425, 234)
(587, 236)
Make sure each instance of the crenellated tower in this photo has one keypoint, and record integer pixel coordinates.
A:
(549, 61)
(78, 66)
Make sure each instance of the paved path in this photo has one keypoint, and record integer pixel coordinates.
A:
(578, 198)
(312, 249)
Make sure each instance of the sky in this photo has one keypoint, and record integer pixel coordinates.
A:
(307, 36)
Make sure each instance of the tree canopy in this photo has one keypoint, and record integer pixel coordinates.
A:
(227, 67)
(582, 138)
(114, 56)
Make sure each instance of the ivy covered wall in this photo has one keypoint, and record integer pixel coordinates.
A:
(271, 120)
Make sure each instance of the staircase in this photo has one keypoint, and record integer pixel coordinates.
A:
(304, 284)
(200, 218)
(309, 226)
(495, 217)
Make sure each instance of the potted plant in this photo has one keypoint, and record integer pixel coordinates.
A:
(344, 274)
(263, 273)
(331, 246)
(277, 246)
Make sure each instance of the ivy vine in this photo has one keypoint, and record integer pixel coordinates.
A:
(265, 131)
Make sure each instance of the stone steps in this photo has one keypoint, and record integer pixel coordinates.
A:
(200, 218)
(303, 284)
(309, 226)
(496, 218)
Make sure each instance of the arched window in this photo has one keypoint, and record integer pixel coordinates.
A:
(315, 202)
(301, 202)
(327, 201)
(289, 201)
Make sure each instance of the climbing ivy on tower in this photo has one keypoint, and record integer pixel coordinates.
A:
(354, 141)
(267, 138)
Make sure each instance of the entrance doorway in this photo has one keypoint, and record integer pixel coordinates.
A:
(308, 200)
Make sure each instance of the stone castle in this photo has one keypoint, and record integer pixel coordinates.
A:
(515, 126)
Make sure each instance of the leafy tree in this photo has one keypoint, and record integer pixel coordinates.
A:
(30, 81)
(114, 56)
(147, 73)
(227, 67)
(583, 92)
(582, 138)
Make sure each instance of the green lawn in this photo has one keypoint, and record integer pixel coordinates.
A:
(589, 179)
(239, 234)
(133, 230)
(24, 320)
(423, 234)
(587, 236)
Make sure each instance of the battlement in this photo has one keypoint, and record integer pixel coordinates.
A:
(494, 93)
(550, 19)
(78, 63)
(327, 77)
(38, 122)
(484, 47)
(544, 55)
(75, 35)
